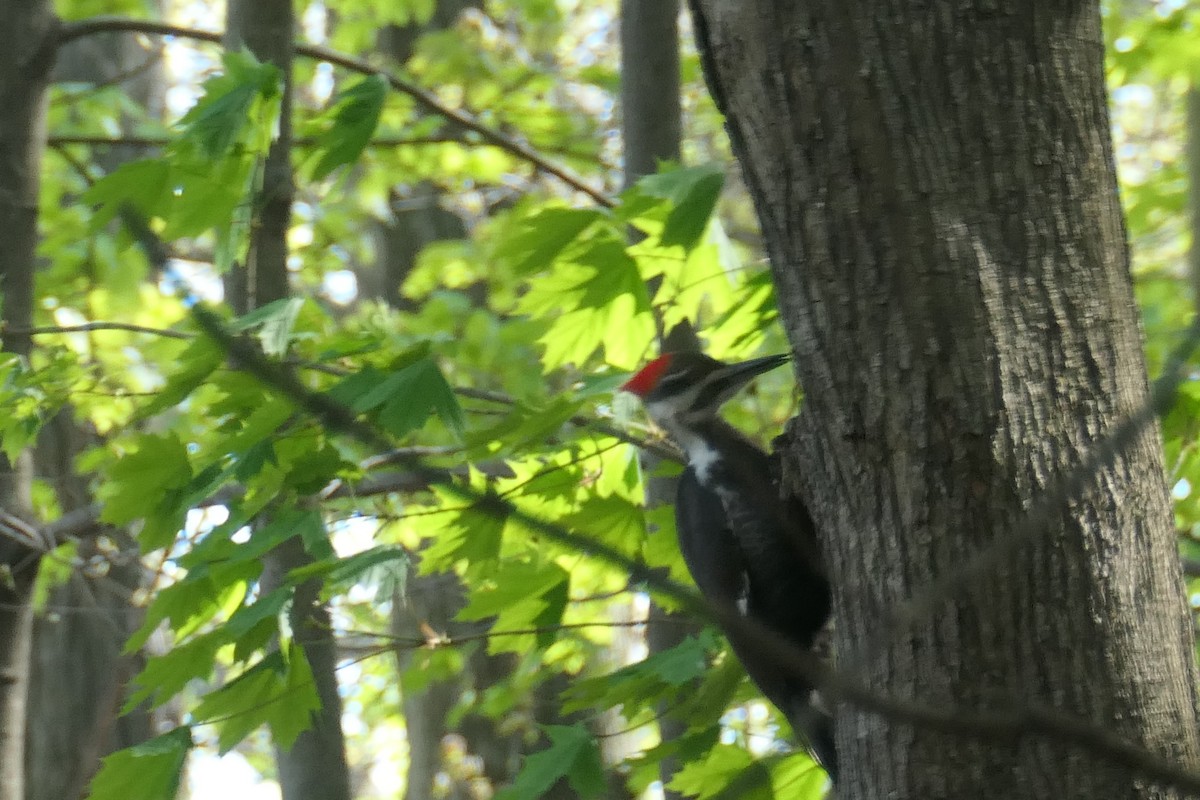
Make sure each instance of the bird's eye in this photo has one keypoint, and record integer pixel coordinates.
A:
(672, 382)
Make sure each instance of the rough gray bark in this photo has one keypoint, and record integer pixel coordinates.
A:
(24, 74)
(315, 766)
(935, 185)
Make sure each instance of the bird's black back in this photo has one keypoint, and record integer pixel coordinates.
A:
(749, 551)
(775, 541)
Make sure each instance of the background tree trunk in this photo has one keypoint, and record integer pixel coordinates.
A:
(267, 29)
(80, 674)
(936, 190)
(24, 75)
(651, 122)
(650, 93)
(78, 682)
(315, 766)
(418, 219)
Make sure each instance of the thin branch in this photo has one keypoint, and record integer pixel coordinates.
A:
(28, 536)
(78, 523)
(88, 327)
(88, 27)
(64, 140)
(81, 169)
(660, 447)
(405, 481)
(446, 640)
(665, 710)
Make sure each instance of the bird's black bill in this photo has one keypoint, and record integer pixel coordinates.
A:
(742, 372)
(725, 382)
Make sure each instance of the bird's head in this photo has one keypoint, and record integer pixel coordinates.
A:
(685, 388)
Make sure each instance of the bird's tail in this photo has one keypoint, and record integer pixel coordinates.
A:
(813, 725)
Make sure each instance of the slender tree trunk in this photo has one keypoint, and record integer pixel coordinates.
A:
(429, 600)
(651, 123)
(79, 676)
(315, 767)
(936, 188)
(650, 96)
(24, 74)
(418, 219)
(432, 602)
(267, 28)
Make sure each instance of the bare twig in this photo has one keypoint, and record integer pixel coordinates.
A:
(88, 327)
(29, 536)
(450, 640)
(66, 139)
(660, 447)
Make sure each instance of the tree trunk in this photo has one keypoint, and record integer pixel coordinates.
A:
(267, 29)
(24, 75)
(418, 219)
(650, 96)
(936, 188)
(432, 602)
(651, 122)
(315, 765)
(79, 677)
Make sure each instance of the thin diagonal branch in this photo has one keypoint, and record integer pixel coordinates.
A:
(65, 139)
(88, 327)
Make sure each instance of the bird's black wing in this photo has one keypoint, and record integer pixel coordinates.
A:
(707, 543)
(788, 589)
(751, 582)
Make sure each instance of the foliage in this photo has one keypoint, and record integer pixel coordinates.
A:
(148, 771)
(498, 367)
(1153, 63)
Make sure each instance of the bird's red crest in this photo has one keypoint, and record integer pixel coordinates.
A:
(644, 382)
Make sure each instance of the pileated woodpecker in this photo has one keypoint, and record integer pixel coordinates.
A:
(747, 549)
